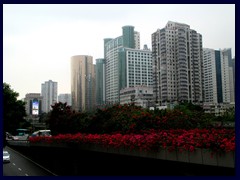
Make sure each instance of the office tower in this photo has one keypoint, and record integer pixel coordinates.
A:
(65, 98)
(177, 59)
(218, 76)
(83, 83)
(135, 67)
(49, 93)
(227, 75)
(100, 82)
(210, 86)
(135, 74)
(33, 104)
(111, 49)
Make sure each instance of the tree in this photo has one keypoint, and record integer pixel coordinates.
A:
(13, 110)
(58, 118)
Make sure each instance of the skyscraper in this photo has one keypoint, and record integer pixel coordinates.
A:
(83, 83)
(227, 73)
(211, 58)
(49, 94)
(100, 82)
(177, 59)
(135, 67)
(218, 73)
(111, 50)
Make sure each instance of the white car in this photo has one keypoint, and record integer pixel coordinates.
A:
(45, 132)
(6, 156)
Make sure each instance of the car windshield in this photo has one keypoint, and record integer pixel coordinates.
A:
(5, 153)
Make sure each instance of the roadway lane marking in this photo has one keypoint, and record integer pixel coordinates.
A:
(26, 174)
(14, 164)
(32, 162)
(19, 169)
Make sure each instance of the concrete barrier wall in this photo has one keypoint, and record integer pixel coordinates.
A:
(199, 156)
(74, 159)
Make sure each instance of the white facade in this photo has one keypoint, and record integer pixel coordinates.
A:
(65, 98)
(209, 76)
(137, 39)
(138, 69)
(111, 57)
(227, 71)
(111, 50)
(49, 92)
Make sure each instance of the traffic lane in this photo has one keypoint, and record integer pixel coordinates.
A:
(10, 169)
(22, 166)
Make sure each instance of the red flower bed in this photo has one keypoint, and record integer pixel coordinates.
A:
(213, 139)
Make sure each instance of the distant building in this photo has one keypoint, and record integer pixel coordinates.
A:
(139, 95)
(33, 104)
(218, 109)
(83, 90)
(49, 93)
(65, 98)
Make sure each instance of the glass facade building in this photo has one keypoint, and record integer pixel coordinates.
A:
(100, 82)
(83, 83)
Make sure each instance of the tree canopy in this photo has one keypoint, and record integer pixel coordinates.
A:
(13, 109)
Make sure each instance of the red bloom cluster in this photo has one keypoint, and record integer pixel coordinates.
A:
(152, 140)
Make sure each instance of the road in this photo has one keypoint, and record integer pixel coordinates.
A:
(22, 166)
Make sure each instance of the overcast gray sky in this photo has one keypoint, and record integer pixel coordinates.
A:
(39, 39)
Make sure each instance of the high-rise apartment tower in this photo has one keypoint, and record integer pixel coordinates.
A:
(177, 63)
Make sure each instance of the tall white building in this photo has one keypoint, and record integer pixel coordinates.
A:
(135, 67)
(218, 76)
(210, 91)
(227, 76)
(65, 98)
(177, 63)
(111, 51)
(49, 93)
(135, 70)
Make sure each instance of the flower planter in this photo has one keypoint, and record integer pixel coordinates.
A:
(209, 158)
(196, 156)
(226, 159)
(162, 154)
(182, 155)
(171, 155)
